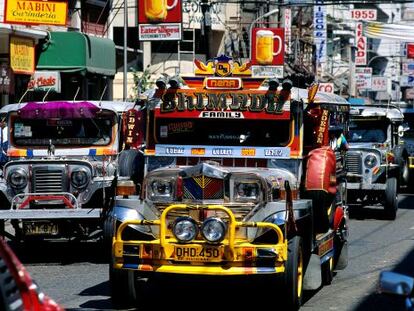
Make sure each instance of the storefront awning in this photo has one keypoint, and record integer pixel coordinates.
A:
(77, 52)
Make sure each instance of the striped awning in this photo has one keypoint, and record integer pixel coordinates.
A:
(389, 31)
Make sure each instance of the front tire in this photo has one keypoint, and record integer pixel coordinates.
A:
(293, 277)
(123, 289)
(391, 201)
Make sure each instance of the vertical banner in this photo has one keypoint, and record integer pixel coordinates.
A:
(288, 30)
(22, 55)
(159, 20)
(267, 52)
(319, 32)
(361, 43)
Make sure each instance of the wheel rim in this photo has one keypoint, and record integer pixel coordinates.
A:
(300, 274)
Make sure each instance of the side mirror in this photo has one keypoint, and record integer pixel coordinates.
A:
(401, 129)
(395, 283)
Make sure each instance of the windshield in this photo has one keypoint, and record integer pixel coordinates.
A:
(223, 132)
(68, 132)
(363, 131)
(409, 121)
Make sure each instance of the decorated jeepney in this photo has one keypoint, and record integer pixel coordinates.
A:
(240, 180)
(62, 163)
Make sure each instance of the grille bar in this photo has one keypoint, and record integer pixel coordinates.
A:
(50, 179)
(354, 162)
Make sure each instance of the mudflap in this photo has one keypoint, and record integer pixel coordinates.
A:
(322, 253)
(313, 275)
(342, 260)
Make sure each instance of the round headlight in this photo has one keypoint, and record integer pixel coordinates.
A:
(185, 229)
(79, 178)
(370, 161)
(18, 178)
(213, 230)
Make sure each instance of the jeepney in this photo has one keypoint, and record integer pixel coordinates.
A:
(377, 161)
(62, 164)
(408, 128)
(233, 186)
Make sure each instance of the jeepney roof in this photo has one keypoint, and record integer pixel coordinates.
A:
(387, 111)
(116, 106)
(320, 97)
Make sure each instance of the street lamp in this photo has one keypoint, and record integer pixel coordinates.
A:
(271, 12)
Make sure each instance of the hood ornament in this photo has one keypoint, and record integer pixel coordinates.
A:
(51, 149)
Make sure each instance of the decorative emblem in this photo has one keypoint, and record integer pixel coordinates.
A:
(222, 66)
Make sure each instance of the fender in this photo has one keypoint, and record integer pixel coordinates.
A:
(339, 216)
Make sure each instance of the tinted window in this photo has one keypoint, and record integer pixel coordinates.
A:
(368, 131)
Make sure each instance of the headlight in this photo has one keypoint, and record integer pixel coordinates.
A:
(213, 230)
(246, 191)
(17, 178)
(80, 178)
(370, 161)
(160, 189)
(185, 229)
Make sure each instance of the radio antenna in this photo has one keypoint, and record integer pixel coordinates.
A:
(21, 98)
(44, 97)
(102, 95)
(77, 91)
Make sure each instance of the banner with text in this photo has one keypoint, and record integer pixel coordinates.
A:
(22, 55)
(37, 12)
(319, 32)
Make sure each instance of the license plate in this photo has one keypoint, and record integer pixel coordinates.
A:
(40, 229)
(198, 253)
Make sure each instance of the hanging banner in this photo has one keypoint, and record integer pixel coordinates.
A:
(288, 30)
(36, 12)
(319, 32)
(159, 20)
(361, 42)
(22, 55)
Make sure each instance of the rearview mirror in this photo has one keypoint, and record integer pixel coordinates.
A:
(395, 283)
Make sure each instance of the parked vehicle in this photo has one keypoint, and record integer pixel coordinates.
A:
(18, 291)
(399, 285)
(233, 187)
(377, 161)
(408, 125)
(62, 164)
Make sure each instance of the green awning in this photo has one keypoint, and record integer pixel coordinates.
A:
(75, 51)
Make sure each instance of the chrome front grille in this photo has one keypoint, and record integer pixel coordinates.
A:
(354, 162)
(49, 179)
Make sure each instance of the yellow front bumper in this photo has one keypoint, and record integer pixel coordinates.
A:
(233, 256)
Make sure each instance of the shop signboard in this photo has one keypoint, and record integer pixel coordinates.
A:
(159, 20)
(364, 14)
(267, 52)
(45, 81)
(320, 31)
(363, 78)
(379, 84)
(361, 43)
(5, 78)
(408, 68)
(410, 50)
(36, 12)
(407, 81)
(22, 55)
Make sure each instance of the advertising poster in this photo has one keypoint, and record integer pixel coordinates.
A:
(159, 20)
(267, 52)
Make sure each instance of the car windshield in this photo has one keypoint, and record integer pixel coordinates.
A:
(362, 131)
(221, 132)
(63, 132)
(409, 121)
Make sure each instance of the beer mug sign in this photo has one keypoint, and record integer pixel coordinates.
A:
(157, 10)
(267, 46)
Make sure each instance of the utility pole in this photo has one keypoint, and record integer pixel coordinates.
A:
(125, 82)
(206, 26)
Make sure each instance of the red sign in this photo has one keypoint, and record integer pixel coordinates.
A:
(364, 14)
(159, 11)
(132, 125)
(268, 46)
(361, 54)
(223, 83)
(410, 50)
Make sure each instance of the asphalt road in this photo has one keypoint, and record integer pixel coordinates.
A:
(76, 274)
